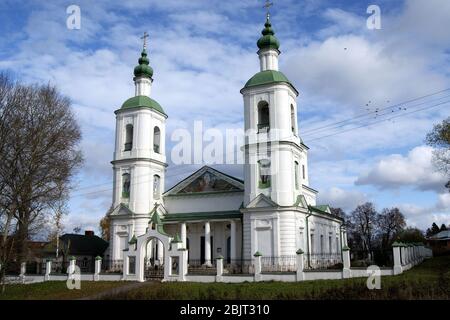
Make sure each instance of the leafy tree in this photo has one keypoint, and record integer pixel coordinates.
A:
(411, 235)
(434, 229)
(105, 223)
(439, 138)
(443, 227)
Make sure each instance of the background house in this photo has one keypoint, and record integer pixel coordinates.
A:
(440, 242)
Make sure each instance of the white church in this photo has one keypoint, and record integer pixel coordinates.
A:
(272, 212)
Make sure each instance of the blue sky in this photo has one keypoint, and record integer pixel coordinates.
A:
(203, 52)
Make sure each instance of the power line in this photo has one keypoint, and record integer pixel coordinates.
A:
(380, 115)
(372, 123)
(373, 112)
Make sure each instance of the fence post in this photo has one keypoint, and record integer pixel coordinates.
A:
(71, 268)
(257, 256)
(300, 265)
(98, 268)
(23, 270)
(219, 268)
(397, 258)
(48, 269)
(346, 272)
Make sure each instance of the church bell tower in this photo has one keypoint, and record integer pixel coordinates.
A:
(275, 169)
(139, 162)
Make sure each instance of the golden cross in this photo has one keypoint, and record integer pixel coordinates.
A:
(267, 5)
(145, 36)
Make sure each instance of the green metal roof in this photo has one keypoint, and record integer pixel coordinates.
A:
(268, 77)
(190, 216)
(142, 102)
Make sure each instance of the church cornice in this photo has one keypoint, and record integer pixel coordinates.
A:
(139, 159)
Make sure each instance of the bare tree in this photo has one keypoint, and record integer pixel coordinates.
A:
(39, 155)
(362, 225)
(390, 223)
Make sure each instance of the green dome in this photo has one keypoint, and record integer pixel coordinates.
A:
(267, 77)
(142, 102)
(143, 69)
(268, 39)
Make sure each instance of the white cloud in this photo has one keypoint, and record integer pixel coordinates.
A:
(414, 170)
(339, 198)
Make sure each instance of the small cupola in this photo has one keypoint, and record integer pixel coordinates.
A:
(268, 39)
(143, 69)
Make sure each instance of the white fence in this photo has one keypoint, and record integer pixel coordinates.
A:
(405, 257)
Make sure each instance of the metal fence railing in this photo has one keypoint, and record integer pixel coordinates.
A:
(60, 267)
(112, 266)
(287, 263)
(322, 261)
(197, 266)
(364, 258)
(239, 266)
(86, 265)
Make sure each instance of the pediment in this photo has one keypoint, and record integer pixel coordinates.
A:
(121, 209)
(261, 201)
(207, 180)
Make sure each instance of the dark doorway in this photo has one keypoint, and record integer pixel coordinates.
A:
(202, 249)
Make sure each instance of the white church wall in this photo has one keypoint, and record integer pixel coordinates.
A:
(219, 233)
(204, 203)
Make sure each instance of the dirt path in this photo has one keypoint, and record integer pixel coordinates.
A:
(114, 291)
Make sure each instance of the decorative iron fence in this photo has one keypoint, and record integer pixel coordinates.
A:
(34, 267)
(197, 266)
(239, 266)
(286, 263)
(86, 265)
(322, 261)
(112, 266)
(364, 258)
(60, 267)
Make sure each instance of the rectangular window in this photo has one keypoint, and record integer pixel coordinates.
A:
(303, 172)
(337, 244)
(131, 265)
(264, 173)
(321, 244)
(330, 245)
(312, 244)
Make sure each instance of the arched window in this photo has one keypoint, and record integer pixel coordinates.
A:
(296, 173)
(156, 186)
(293, 123)
(264, 173)
(128, 137)
(263, 117)
(126, 185)
(156, 139)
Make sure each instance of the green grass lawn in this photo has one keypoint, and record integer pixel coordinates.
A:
(430, 280)
(53, 290)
